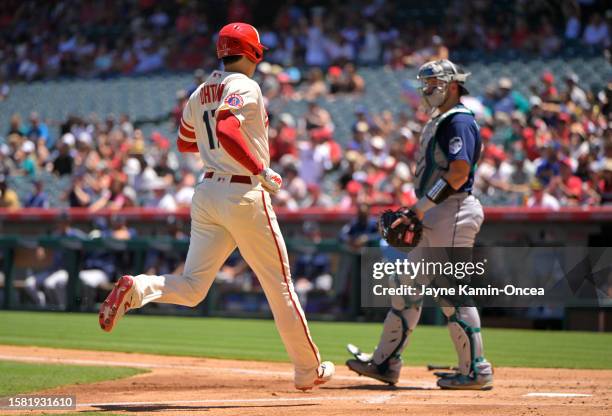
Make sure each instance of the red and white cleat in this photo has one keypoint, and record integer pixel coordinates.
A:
(325, 372)
(117, 303)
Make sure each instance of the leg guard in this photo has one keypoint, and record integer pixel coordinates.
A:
(464, 329)
(396, 329)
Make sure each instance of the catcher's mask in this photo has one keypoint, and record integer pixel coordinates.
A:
(436, 76)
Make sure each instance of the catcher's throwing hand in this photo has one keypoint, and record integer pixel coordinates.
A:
(403, 219)
(401, 228)
(270, 180)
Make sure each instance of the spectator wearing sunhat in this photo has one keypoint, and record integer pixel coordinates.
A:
(161, 197)
(27, 158)
(540, 198)
(509, 100)
(377, 154)
(573, 92)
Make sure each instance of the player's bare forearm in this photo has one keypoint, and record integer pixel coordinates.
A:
(458, 173)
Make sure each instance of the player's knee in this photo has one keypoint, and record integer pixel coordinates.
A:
(194, 293)
(398, 303)
(192, 299)
(448, 311)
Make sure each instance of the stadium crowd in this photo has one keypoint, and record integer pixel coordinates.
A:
(67, 38)
(553, 148)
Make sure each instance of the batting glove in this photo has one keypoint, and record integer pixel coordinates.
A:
(270, 180)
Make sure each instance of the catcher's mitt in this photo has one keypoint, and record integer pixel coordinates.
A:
(404, 234)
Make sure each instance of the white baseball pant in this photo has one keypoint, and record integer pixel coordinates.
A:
(225, 215)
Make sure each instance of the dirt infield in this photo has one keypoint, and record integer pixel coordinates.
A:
(190, 386)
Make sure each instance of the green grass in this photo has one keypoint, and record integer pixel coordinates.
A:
(26, 377)
(258, 340)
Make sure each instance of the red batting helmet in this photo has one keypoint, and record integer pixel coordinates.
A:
(240, 39)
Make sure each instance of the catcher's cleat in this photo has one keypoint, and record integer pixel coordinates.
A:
(117, 303)
(369, 369)
(459, 381)
(445, 374)
(325, 372)
(358, 354)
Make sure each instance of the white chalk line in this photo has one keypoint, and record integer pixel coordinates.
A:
(76, 361)
(557, 395)
(495, 404)
(383, 398)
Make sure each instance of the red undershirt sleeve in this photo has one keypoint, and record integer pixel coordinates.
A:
(186, 140)
(186, 147)
(230, 137)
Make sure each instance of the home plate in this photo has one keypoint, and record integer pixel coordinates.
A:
(556, 395)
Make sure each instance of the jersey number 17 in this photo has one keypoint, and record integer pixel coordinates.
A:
(213, 141)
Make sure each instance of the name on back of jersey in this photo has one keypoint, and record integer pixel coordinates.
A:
(211, 93)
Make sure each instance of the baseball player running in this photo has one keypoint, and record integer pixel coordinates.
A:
(451, 216)
(226, 122)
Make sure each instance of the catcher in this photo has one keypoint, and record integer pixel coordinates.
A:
(446, 215)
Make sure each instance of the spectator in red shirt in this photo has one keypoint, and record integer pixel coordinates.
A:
(530, 145)
(567, 187)
(549, 91)
(284, 143)
(323, 138)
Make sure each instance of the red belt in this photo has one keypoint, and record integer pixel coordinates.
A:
(233, 179)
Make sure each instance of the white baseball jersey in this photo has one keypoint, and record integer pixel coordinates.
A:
(242, 96)
(226, 215)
